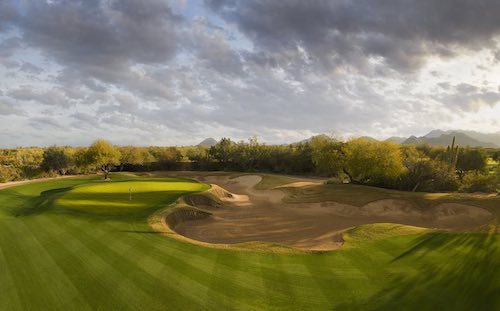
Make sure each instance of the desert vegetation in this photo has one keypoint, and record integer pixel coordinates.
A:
(357, 161)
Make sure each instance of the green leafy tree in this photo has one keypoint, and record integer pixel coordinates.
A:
(103, 156)
(131, 155)
(222, 152)
(327, 155)
(471, 159)
(373, 162)
(55, 159)
(496, 156)
(420, 169)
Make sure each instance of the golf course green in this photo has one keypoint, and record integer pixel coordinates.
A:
(85, 244)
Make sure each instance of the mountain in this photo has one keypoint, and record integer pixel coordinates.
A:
(436, 133)
(486, 137)
(493, 138)
(445, 139)
(397, 139)
(208, 142)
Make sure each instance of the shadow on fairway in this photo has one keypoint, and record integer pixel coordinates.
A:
(454, 272)
(39, 204)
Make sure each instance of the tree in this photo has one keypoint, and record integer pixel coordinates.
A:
(222, 152)
(496, 156)
(103, 156)
(167, 157)
(27, 161)
(419, 167)
(131, 155)
(327, 155)
(372, 162)
(471, 159)
(55, 159)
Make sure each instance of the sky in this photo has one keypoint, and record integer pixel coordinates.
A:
(161, 72)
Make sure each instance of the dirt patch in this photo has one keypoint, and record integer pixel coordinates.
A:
(239, 213)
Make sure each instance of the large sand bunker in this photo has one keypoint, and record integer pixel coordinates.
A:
(237, 212)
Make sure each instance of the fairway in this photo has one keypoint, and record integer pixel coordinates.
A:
(82, 244)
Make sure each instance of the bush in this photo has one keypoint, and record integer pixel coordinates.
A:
(473, 182)
(8, 173)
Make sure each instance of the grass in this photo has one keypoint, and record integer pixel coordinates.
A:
(57, 253)
(119, 198)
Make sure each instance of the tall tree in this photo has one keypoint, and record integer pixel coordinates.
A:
(102, 155)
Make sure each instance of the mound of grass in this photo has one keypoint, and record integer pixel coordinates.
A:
(374, 232)
(123, 197)
(53, 260)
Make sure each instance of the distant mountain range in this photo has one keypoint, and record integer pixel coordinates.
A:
(444, 138)
(434, 138)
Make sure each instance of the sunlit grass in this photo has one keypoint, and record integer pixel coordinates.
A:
(125, 196)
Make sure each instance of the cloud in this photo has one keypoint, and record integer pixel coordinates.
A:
(466, 97)
(51, 97)
(101, 39)
(348, 33)
(161, 72)
(7, 108)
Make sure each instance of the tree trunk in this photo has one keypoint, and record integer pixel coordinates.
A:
(351, 180)
(105, 169)
(415, 188)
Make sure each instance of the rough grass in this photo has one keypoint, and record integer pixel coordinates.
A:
(62, 259)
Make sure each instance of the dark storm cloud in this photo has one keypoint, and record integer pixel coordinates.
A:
(101, 38)
(339, 32)
(8, 14)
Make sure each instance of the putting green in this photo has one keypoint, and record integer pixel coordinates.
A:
(122, 197)
(64, 255)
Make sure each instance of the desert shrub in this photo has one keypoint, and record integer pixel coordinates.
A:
(8, 173)
(473, 182)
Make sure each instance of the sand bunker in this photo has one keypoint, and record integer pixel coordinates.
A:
(233, 211)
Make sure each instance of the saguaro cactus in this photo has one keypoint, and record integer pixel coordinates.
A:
(452, 155)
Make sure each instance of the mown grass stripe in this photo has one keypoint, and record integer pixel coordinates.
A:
(33, 269)
(111, 278)
(9, 299)
(125, 263)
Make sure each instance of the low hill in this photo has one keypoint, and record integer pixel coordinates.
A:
(208, 142)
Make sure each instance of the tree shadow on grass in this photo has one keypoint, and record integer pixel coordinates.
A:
(38, 204)
(445, 272)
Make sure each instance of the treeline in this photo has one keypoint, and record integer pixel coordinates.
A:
(102, 156)
(358, 161)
